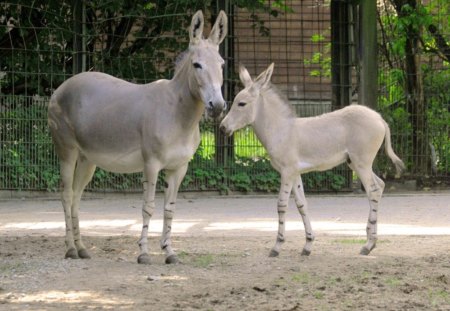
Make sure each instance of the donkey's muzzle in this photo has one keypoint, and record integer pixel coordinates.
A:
(216, 110)
(225, 130)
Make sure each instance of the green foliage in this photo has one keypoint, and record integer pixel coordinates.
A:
(33, 38)
(437, 90)
(134, 40)
(241, 181)
(254, 175)
(430, 24)
(247, 145)
(331, 180)
(273, 8)
(26, 150)
(320, 62)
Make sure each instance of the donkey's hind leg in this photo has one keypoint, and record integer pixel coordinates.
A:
(83, 174)
(302, 207)
(374, 187)
(68, 160)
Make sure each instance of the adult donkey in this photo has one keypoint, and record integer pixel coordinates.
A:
(300, 145)
(98, 120)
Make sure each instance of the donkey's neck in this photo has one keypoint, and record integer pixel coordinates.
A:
(271, 126)
(189, 106)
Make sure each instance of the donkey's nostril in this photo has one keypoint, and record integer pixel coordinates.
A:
(210, 105)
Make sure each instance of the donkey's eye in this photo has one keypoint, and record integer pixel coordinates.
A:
(197, 65)
(242, 104)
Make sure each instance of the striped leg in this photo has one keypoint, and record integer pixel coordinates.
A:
(83, 174)
(302, 207)
(173, 181)
(374, 187)
(149, 185)
(283, 200)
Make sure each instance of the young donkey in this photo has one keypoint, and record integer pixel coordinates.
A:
(98, 120)
(299, 145)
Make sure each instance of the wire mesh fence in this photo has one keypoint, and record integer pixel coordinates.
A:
(46, 42)
(414, 95)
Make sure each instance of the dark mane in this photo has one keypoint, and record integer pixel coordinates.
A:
(285, 107)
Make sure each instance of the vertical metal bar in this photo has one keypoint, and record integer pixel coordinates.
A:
(367, 54)
(83, 38)
(345, 47)
(77, 31)
(341, 46)
(224, 145)
(341, 62)
(335, 55)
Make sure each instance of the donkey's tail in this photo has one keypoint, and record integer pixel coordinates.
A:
(399, 165)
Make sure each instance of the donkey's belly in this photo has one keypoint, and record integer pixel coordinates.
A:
(321, 164)
(129, 162)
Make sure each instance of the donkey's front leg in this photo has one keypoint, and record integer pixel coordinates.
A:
(302, 207)
(173, 181)
(283, 200)
(149, 185)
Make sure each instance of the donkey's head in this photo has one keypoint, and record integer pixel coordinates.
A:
(206, 64)
(245, 105)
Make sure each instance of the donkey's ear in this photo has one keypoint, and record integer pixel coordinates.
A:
(196, 29)
(264, 78)
(244, 76)
(220, 29)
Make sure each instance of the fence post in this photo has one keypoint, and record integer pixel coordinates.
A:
(368, 54)
(224, 150)
(79, 44)
(341, 47)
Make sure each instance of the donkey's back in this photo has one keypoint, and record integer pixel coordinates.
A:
(353, 133)
(88, 96)
(101, 116)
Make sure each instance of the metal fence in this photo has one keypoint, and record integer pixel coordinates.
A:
(45, 42)
(414, 79)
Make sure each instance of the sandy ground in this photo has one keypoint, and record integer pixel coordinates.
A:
(223, 243)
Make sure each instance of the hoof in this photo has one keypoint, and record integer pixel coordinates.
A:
(172, 259)
(306, 252)
(83, 254)
(365, 251)
(273, 253)
(144, 259)
(72, 254)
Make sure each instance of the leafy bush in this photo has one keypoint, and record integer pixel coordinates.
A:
(26, 151)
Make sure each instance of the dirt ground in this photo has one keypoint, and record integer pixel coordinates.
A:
(223, 243)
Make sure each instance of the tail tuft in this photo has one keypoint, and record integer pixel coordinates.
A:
(399, 165)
